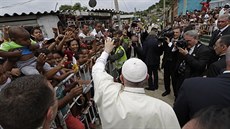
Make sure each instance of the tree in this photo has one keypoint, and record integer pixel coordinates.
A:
(84, 8)
(76, 6)
(154, 18)
(160, 4)
(65, 7)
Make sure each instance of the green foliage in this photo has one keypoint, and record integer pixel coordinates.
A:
(151, 7)
(76, 6)
(65, 7)
(154, 18)
(159, 10)
(160, 4)
(84, 8)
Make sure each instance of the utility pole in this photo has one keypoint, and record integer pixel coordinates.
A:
(118, 11)
(164, 18)
(185, 7)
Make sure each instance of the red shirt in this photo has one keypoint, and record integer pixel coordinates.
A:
(205, 6)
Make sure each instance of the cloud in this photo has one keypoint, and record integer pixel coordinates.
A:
(19, 6)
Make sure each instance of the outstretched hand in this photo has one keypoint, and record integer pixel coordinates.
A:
(109, 45)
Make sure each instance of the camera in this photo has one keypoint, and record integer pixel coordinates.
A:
(88, 39)
(134, 24)
(182, 44)
(49, 41)
(166, 33)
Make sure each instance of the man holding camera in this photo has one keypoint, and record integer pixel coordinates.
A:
(169, 60)
(199, 93)
(192, 59)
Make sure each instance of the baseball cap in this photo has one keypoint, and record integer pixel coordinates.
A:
(134, 70)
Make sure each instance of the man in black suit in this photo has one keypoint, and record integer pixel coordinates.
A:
(198, 93)
(169, 60)
(192, 60)
(220, 48)
(152, 53)
(223, 29)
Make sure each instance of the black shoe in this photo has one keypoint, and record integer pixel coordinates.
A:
(165, 93)
(149, 89)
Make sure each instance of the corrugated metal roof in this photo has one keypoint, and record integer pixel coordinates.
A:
(104, 10)
(29, 13)
(54, 12)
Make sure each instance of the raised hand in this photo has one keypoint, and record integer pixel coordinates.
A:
(109, 45)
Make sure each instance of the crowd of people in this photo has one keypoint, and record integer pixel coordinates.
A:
(204, 20)
(33, 68)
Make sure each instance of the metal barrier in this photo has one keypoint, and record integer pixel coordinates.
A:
(89, 114)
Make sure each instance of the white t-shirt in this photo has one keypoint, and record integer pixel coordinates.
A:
(81, 35)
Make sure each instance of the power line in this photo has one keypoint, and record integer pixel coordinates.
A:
(126, 5)
(9, 6)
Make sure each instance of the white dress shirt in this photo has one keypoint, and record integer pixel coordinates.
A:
(191, 50)
(82, 35)
(95, 33)
(227, 71)
(221, 30)
(127, 107)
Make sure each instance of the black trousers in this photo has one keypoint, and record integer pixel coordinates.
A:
(169, 75)
(153, 76)
(179, 80)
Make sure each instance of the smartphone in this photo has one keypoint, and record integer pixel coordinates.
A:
(50, 41)
(89, 38)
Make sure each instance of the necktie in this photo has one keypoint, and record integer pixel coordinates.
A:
(188, 49)
(218, 33)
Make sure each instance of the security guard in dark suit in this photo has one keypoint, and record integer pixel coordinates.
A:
(223, 29)
(220, 48)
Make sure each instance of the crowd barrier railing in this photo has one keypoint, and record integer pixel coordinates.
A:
(89, 115)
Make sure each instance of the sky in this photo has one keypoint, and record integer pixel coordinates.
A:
(19, 6)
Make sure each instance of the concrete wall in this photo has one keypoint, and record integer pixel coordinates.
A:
(29, 20)
(47, 23)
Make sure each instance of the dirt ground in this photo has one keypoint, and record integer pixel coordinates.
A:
(157, 93)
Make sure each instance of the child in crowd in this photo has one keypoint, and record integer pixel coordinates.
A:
(20, 50)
